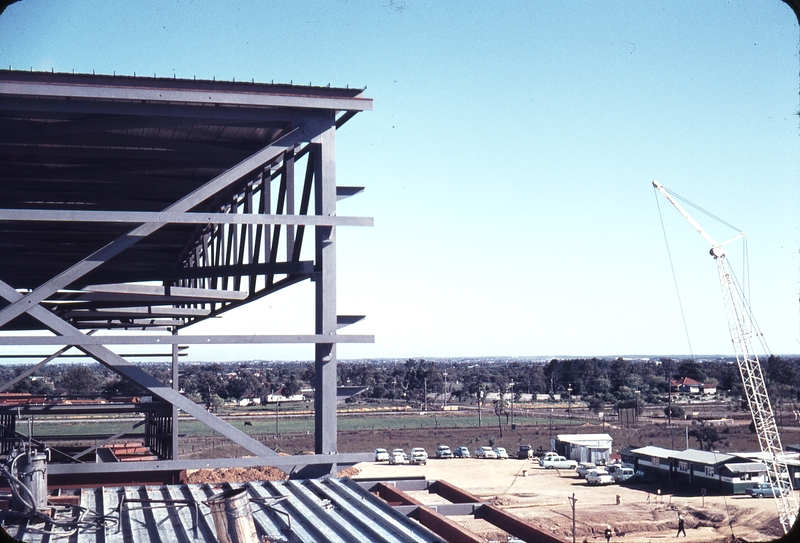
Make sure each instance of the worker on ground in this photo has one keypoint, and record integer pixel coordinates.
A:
(680, 526)
(608, 533)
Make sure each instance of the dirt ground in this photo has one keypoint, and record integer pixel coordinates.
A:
(542, 497)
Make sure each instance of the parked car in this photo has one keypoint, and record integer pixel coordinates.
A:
(381, 455)
(621, 474)
(557, 462)
(501, 453)
(546, 456)
(443, 451)
(418, 456)
(525, 452)
(398, 456)
(599, 477)
(461, 452)
(759, 490)
(584, 467)
(485, 452)
(419, 451)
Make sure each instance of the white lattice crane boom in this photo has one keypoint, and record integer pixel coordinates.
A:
(755, 388)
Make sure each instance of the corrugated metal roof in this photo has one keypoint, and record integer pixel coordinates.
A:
(704, 457)
(582, 439)
(311, 510)
(654, 451)
(791, 458)
(745, 467)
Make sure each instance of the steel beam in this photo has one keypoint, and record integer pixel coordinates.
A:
(82, 339)
(286, 463)
(184, 96)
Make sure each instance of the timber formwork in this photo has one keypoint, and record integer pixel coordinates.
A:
(140, 206)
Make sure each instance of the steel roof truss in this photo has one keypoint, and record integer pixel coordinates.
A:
(137, 234)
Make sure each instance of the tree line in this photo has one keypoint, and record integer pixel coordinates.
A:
(598, 381)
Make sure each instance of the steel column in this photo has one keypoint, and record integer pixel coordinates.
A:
(325, 281)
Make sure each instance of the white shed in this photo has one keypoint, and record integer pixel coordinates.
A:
(583, 447)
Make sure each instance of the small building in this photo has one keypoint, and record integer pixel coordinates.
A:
(791, 458)
(743, 475)
(727, 473)
(583, 447)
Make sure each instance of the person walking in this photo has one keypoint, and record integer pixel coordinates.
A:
(608, 533)
(680, 526)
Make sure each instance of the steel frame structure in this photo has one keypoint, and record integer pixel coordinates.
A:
(145, 204)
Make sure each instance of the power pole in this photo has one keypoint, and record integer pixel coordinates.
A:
(480, 396)
(444, 403)
(511, 385)
(573, 499)
(669, 393)
(425, 397)
(569, 401)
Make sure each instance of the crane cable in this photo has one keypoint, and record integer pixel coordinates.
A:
(674, 277)
(739, 287)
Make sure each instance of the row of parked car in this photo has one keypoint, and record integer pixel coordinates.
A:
(594, 475)
(418, 455)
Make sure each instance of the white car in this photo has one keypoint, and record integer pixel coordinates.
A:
(583, 468)
(557, 462)
(398, 456)
(419, 451)
(501, 453)
(443, 451)
(381, 455)
(418, 457)
(485, 452)
(622, 474)
(599, 477)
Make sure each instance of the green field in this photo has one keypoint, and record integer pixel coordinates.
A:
(262, 423)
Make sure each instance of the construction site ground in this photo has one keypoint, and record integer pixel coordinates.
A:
(542, 497)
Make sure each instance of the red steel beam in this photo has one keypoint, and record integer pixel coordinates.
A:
(443, 526)
(515, 525)
(452, 493)
(393, 495)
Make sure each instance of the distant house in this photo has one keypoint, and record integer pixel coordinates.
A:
(709, 389)
(583, 447)
(686, 385)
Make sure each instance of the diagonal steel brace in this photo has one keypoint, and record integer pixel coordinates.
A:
(123, 367)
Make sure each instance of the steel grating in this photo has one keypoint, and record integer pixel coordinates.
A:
(324, 510)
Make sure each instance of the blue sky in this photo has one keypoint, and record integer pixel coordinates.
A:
(508, 161)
